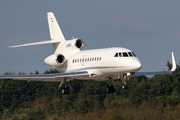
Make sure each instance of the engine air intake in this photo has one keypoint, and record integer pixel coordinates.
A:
(79, 43)
(60, 59)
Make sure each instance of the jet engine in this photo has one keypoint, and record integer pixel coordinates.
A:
(79, 43)
(74, 44)
(55, 60)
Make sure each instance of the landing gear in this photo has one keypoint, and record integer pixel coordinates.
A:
(110, 88)
(124, 81)
(124, 87)
(65, 89)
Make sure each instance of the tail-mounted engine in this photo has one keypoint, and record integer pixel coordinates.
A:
(79, 43)
(55, 60)
(74, 44)
(68, 47)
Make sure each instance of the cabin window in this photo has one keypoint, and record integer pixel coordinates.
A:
(125, 54)
(130, 54)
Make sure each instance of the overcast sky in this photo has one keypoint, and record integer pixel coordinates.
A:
(149, 28)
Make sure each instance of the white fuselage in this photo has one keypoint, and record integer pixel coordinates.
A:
(101, 63)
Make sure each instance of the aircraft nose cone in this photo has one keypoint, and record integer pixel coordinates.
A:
(139, 66)
(136, 64)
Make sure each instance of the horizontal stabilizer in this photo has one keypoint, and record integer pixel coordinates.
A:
(35, 43)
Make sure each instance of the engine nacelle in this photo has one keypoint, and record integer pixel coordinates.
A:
(79, 43)
(55, 60)
(74, 44)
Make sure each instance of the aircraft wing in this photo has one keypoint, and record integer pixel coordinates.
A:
(158, 72)
(44, 77)
(151, 73)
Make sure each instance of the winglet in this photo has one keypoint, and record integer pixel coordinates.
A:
(173, 63)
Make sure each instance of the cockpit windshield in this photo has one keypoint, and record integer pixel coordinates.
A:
(130, 54)
(124, 54)
(133, 54)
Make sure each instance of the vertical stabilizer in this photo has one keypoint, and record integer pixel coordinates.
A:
(55, 31)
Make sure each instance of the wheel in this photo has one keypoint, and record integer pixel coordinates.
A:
(63, 90)
(124, 87)
(107, 89)
(111, 89)
(67, 90)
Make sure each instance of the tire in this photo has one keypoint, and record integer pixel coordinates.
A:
(107, 89)
(63, 91)
(111, 89)
(124, 87)
(67, 90)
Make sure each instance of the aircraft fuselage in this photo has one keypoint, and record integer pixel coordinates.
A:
(101, 62)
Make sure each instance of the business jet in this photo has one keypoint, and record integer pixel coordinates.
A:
(98, 64)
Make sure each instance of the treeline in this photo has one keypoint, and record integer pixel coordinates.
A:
(146, 98)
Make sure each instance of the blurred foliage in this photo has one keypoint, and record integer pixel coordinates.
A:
(157, 97)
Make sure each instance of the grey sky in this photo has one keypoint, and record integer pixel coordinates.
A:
(150, 28)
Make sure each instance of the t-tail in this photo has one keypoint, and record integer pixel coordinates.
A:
(55, 31)
(60, 45)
